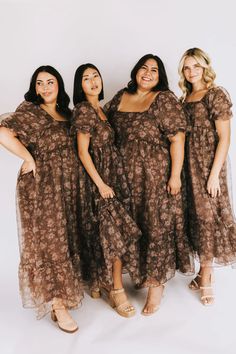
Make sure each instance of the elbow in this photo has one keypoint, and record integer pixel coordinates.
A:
(2, 134)
(6, 133)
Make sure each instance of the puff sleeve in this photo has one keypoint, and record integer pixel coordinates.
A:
(171, 114)
(22, 122)
(84, 118)
(220, 104)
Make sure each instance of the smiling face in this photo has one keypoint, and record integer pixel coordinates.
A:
(192, 70)
(47, 87)
(91, 82)
(147, 76)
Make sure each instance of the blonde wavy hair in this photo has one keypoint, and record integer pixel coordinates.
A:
(204, 61)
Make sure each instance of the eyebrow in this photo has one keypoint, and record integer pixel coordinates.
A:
(42, 80)
(95, 72)
(152, 66)
(187, 66)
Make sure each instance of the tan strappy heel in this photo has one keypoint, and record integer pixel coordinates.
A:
(95, 293)
(207, 299)
(68, 326)
(124, 309)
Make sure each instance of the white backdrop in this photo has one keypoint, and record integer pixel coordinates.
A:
(113, 35)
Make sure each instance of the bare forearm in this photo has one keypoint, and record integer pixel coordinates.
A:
(220, 156)
(177, 156)
(90, 168)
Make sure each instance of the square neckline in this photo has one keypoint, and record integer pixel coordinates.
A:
(51, 117)
(146, 110)
(96, 113)
(198, 101)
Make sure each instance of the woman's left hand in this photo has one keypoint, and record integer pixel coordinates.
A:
(213, 186)
(174, 185)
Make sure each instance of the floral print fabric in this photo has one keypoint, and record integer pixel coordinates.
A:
(142, 138)
(211, 224)
(47, 212)
(107, 230)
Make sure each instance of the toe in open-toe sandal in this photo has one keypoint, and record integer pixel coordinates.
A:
(67, 325)
(207, 299)
(95, 293)
(149, 313)
(207, 296)
(123, 308)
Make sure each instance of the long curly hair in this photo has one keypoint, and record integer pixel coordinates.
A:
(204, 61)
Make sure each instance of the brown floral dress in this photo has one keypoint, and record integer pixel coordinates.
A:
(107, 230)
(142, 138)
(46, 208)
(211, 223)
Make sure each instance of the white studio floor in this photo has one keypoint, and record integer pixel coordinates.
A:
(181, 326)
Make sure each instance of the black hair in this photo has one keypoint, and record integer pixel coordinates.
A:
(162, 84)
(78, 93)
(63, 99)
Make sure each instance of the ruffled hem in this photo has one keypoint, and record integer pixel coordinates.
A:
(40, 285)
(217, 262)
(151, 282)
(216, 245)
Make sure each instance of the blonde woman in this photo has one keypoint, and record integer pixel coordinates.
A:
(211, 224)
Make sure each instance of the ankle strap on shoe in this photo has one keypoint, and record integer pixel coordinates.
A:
(117, 291)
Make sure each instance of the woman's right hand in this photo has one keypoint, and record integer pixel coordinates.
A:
(28, 166)
(213, 186)
(106, 191)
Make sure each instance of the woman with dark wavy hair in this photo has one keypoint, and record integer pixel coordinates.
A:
(150, 131)
(62, 100)
(39, 133)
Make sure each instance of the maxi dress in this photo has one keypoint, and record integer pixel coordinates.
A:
(143, 141)
(212, 227)
(47, 211)
(107, 230)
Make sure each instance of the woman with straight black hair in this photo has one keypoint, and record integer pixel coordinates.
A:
(108, 234)
(150, 131)
(78, 92)
(39, 133)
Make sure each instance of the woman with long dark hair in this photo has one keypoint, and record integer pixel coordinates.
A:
(150, 131)
(39, 133)
(108, 234)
